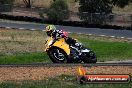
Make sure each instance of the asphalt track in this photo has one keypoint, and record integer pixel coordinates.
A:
(90, 31)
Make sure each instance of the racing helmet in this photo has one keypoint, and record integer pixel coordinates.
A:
(49, 29)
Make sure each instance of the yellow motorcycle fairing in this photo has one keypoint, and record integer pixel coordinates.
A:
(60, 43)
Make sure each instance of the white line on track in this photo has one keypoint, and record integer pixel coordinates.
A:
(112, 36)
(89, 34)
(21, 28)
(33, 29)
(8, 27)
(102, 35)
(122, 37)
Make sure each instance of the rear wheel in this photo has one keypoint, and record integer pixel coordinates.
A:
(57, 55)
(90, 58)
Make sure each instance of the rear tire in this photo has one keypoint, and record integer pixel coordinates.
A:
(57, 55)
(90, 58)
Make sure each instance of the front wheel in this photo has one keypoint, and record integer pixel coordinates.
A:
(90, 58)
(57, 55)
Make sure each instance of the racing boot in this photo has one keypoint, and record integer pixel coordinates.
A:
(79, 46)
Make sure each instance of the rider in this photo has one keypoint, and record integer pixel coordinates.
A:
(57, 34)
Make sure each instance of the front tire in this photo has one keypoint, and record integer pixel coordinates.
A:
(57, 55)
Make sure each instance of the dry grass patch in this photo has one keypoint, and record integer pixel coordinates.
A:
(15, 41)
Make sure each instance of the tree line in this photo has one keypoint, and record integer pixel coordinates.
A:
(59, 11)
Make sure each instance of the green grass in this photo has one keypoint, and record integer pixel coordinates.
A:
(24, 58)
(63, 81)
(107, 51)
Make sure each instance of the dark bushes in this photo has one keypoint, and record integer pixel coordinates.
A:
(6, 5)
(64, 23)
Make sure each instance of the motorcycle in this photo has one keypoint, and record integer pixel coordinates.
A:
(61, 52)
